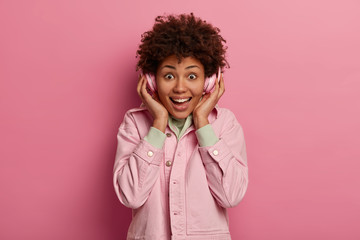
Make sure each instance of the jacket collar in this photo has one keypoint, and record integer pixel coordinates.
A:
(212, 116)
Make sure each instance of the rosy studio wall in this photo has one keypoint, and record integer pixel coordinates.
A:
(67, 77)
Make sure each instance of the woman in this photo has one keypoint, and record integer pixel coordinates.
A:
(181, 159)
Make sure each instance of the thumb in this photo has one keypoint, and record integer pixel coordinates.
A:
(204, 97)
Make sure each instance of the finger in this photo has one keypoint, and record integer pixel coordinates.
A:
(146, 96)
(143, 87)
(214, 94)
(203, 100)
(156, 97)
(142, 90)
(139, 86)
(217, 85)
(221, 86)
(205, 97)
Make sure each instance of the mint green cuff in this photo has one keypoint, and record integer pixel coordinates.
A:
(206, 136)
(155, 137)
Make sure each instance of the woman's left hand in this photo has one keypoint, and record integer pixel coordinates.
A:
(207, 104)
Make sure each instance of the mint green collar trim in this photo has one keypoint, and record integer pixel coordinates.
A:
(179, 126)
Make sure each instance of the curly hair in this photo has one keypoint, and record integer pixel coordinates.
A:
(184, 36)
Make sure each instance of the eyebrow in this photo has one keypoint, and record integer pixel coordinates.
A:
(168, 66)
(192, 66)
(172, 67)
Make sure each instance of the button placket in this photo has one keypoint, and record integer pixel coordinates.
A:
(176, 198)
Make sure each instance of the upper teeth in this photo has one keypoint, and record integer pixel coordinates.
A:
(181, 100)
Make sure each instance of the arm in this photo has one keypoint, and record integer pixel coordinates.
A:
(226, 163)
(137, 160)
(224, 158)
(136, 167)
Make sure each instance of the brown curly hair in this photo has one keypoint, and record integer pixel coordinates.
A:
(184, 36)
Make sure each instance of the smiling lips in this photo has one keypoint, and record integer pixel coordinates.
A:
(180, 104)
(180, 100)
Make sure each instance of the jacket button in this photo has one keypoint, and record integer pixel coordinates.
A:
(215, 152)
(150, 153)
(168, 134)
(168, 163)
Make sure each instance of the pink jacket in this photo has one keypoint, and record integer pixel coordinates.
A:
(182, 190)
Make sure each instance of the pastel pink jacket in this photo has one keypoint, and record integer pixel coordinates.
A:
(180, 192)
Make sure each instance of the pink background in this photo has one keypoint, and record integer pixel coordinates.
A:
(67, 75)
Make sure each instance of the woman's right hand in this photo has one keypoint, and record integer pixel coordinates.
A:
(153, 104)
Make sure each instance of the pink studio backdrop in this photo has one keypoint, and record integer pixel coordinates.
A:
(67, 75)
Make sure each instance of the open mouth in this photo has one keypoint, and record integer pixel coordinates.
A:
(180, 100)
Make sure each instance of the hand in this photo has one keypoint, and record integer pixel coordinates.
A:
(153, 104)
(207, 104)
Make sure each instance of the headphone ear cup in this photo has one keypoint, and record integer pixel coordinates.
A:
(209, 83)
(151, 83)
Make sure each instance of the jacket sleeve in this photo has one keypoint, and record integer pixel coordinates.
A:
(226, 164)
(136, 167)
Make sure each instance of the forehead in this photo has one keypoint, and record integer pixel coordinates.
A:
(184, 62)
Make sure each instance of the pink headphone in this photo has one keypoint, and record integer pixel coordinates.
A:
(208, 86)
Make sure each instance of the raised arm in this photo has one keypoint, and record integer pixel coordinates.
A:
(136, 167)
(226, 163)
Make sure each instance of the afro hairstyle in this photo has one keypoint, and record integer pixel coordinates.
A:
(183, 36)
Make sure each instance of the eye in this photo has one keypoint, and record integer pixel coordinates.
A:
(169, 76)
(192, 76)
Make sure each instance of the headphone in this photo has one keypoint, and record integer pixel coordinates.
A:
(208, 86)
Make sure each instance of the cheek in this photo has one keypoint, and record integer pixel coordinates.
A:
(198, 90)
(162, 95)
(163, 88)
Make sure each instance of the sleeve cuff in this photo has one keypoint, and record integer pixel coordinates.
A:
(155, 137)
(149, 153)
(219, 153)
(206, 136)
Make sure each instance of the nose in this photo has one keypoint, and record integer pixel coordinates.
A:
(180, 85)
